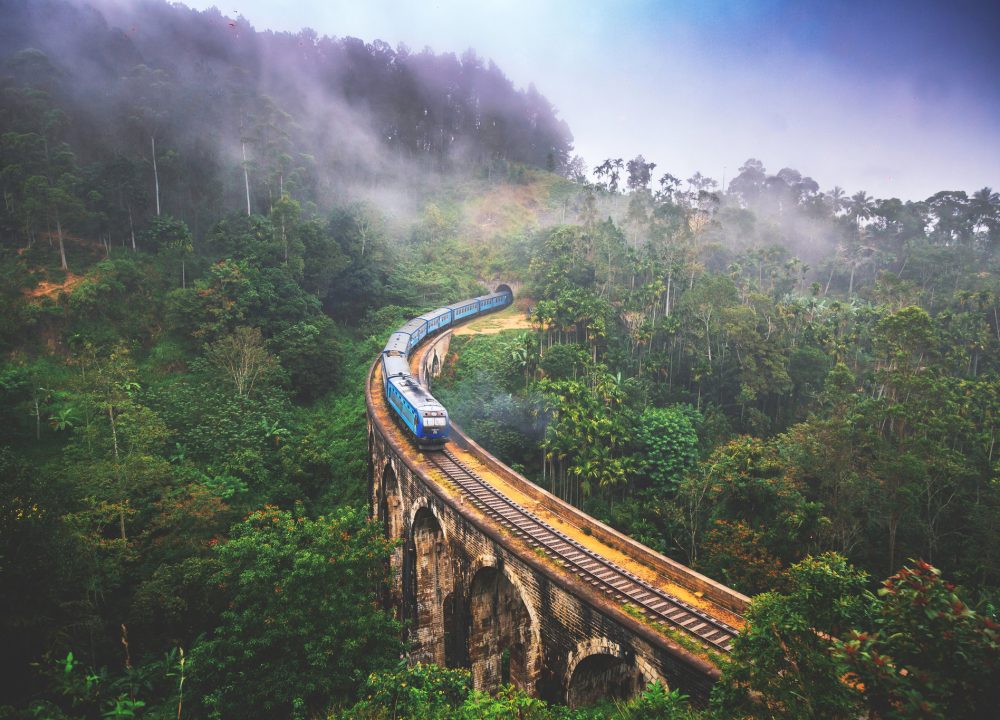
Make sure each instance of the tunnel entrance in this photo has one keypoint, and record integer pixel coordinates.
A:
(499, 633)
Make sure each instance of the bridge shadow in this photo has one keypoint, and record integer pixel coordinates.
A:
(603, 676)
(431, 585)
(501, 647)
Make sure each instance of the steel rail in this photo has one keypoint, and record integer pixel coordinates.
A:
(601, 573)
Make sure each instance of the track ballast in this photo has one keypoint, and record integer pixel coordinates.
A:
(601, 573)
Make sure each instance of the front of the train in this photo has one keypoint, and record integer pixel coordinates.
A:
(432, 433)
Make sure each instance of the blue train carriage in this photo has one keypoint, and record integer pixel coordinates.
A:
(493, 301)
(416, 329)
(399, 344)
(464, 309)
(394, 365)
(417, 409)
(437, 319)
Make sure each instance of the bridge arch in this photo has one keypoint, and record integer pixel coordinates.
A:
(503, 631)
(435, 364)
(421, 506)
(430, 561)
(390, 510)
(600, 669)
(387, 503)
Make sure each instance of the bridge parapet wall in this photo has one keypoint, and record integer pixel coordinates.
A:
(680, 574)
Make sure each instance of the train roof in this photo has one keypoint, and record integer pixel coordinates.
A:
(397, 342)
(395, 365)
(434, 314)
(415, 392)
(412, 326)
(464, 303)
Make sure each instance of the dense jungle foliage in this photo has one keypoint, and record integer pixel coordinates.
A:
(206, 234)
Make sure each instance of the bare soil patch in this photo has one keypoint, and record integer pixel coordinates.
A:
(52, 290)
(512, 318)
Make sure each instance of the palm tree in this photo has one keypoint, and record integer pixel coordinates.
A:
(583, 470)
(984, 212)
(612, 168)
(853, 255)
(520, 353)
(836, 199)
(861, 207)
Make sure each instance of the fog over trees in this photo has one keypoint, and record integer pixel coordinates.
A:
(170, 110)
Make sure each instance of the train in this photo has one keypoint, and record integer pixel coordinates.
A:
(424, 419)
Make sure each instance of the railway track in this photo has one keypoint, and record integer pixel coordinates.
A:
(602, 574)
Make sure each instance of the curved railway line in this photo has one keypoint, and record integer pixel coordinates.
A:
(602, 574)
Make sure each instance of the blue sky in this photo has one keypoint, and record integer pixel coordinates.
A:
(897, 97)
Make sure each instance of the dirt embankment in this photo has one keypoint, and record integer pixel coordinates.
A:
(52, 290)
(512, 318)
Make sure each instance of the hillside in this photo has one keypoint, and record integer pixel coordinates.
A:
(157, 109)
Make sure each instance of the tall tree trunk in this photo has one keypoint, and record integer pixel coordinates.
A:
(156, 177)
(121, 479)
(708, 343)
(284, 237)
(62, 248)
(666, 302)
(246, 175)
(131, 226)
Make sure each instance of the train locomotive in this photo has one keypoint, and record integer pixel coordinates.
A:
(423, 417)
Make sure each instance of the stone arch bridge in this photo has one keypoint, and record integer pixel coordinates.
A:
(475, 594)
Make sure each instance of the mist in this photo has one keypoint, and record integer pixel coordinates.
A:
(897, 98)
(240, 116)
(326, 120)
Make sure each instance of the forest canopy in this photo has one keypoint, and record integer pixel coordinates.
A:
(221, 115)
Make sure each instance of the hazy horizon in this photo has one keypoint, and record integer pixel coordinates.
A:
(898, 100)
